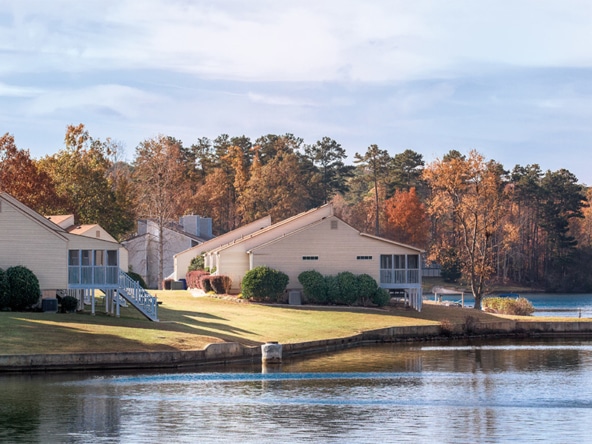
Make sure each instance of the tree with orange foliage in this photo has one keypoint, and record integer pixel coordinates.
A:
(470, 193)
(21, 177)
(407, 218)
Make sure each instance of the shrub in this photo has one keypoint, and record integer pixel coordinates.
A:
(69, 304)
(332, 288)
(4, 291)
(193, 278)
(381, 297)
(197, 263)
(517, 307)
(139, 279)
(24, 287)
(313, 286)
(204, 283)
(348, 288)
(264, 284)
(367, 289)
(220, 284)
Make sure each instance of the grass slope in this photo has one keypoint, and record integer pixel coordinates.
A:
(189, 323)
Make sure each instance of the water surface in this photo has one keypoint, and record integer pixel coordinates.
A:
(457, 392)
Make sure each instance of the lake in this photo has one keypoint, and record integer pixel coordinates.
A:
(545, 304)
(449, 392)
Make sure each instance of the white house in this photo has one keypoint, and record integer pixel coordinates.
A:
(143, 247)
(318, 240)
(72, 259)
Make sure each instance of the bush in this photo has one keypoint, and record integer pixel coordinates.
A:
(24, 287)
(197, 263)
(348, 288)
(139, 279)
(313, 286)
(69, 304)
(205, 284)
(220, 284)
(517, 307)
(381, 297)
(193, 278)
(367, 288)
(332, 289)
(264, 284)
(4, 291)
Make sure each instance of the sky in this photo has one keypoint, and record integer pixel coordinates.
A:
(508, 78)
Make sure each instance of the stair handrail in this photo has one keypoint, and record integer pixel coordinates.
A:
(137, 295)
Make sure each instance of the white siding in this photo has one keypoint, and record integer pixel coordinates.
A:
(337, 251)
(183, 259)
(24, 241)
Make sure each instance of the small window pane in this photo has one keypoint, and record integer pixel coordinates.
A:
(86, 257)
(386, 261)
(99, 258)
(73, 257)
(413, 261)
(112, 258)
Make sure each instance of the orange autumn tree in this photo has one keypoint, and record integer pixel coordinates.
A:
(407, 218)
(21, 177)
(468, 194)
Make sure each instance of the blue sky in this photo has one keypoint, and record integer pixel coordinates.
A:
(509, 78)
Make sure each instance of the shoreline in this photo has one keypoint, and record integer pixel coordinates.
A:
(234, 352)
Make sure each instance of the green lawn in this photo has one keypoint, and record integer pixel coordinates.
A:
(189, 323)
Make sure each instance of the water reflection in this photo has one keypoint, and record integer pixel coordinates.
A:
(448, 392)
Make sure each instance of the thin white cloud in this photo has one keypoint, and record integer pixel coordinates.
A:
(117, 99)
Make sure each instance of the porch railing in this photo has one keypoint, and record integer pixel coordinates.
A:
(390, 276)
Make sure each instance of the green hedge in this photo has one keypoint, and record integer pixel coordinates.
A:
(264, 284)
(4, 291)
(343, 289)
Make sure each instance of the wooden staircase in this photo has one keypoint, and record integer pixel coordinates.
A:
(133, 293)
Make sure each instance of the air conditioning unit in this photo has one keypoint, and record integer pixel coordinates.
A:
(294, 297)
(49, 305)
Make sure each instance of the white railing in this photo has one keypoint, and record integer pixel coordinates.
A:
(390, 276)
(132, 292)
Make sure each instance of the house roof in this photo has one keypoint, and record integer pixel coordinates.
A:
(171, 226)
(327, 209)
(221, 240)
(317, 222)
(33, 215)
(59, 219)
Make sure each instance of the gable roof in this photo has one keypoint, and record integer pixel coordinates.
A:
(317, 222)
(33, 215)
(60, 219)
(171, 226)
(323, 211)
(231, 236)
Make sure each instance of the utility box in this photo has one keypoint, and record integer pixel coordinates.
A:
(294, 297)
(49, 305)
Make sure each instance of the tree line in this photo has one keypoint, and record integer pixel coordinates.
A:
(478, 220)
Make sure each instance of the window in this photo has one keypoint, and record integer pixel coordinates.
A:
(386, 261)
(364, 258)
(399, 260)
(99, 258)
(112, 258)
(413, 261)
(310, 258)
(73, 257)
(86, 257)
